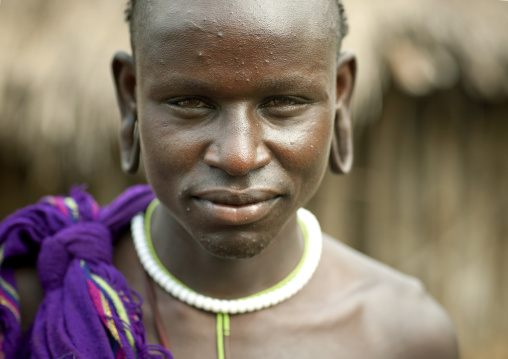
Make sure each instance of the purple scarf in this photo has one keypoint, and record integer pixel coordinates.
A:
(88, 310)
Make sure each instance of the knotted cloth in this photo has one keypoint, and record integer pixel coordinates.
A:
(88, 310)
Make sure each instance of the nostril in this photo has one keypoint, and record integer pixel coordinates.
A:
(237, 160)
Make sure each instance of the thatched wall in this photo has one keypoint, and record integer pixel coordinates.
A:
(428, 194)
(58, 119)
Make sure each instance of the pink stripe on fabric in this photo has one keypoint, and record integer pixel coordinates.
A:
(13, 307)
(95, 293)
(120, 354)
(95, 210)
(97, 296)
(60, 204)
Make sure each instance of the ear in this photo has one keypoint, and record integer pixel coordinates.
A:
(341, 153)
(124, 74)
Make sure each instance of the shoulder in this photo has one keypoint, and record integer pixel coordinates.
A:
(397, 312)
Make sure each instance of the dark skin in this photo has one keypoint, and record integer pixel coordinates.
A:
(229, 202)
(237, 109)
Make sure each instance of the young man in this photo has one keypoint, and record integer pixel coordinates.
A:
(237, 107)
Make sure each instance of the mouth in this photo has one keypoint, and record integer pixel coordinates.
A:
(228, 207)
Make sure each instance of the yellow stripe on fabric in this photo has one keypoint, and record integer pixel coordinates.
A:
(9, 288)
(13, 309)
(109, 322)
(122, 313)
(71, 203)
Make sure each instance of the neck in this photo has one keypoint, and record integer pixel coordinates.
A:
(224, 278)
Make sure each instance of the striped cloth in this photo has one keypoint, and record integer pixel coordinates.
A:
(88, 310)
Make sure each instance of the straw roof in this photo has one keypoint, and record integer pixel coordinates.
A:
(57, 105)
(423, 46)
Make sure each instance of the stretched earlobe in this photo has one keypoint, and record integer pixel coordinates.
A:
(341, 152)
(130, 153)
(125, 83)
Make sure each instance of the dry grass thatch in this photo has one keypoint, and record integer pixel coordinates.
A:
(428, 194)
(57, 105)
(428, 45)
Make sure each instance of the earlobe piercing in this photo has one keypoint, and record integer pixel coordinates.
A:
(341, 153)
(130, 160)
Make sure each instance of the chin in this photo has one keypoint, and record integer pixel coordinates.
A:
(237, 246)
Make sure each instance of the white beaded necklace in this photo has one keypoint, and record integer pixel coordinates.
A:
(289, 286)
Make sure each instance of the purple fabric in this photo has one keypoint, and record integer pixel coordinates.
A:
(67, 324)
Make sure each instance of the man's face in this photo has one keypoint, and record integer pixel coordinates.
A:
(235, 105)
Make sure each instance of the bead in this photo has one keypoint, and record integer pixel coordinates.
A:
(250, 305)
(224, 306)
(184, 294)
(207, 305)
(215, 305)
(170, 286)
(265, 298)
(258, 303)
(143, 251)
(191, 300)
(151, 268)
(233, 307)
(242, 306)
(159, 276)
(177, 290)
(312, 254)
(165, 281)
(200, 301)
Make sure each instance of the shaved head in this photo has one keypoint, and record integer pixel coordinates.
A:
(329, 15)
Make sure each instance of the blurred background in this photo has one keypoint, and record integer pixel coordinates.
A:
(428, 194)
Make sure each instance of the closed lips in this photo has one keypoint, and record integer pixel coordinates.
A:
(236, 198)
(226, 207)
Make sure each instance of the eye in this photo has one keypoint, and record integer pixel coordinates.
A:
(190, 103)
(188, 108)
(285, 106)
(282, 102)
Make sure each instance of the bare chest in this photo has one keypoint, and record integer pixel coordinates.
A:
(285, 331)
(312, 324)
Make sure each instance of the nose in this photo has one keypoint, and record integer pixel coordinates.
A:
(238, 145)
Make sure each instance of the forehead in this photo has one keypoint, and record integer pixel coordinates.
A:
(162, 20)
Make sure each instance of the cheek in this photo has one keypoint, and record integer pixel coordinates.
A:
(306, 152)
(167, 151)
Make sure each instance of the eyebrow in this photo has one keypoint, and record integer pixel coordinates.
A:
(193, 84)
(290, 82)
(283, 83)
